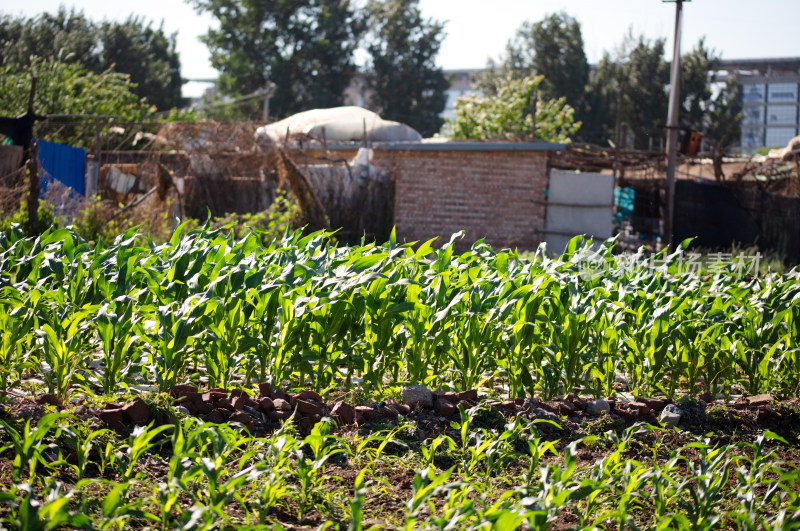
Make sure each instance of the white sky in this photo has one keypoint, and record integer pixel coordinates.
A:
(479, 29)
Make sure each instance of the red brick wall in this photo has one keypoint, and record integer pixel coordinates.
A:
(496, 195)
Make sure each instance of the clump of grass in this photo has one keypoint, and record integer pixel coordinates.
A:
(487, 417)
(721, 416)
(604, 424)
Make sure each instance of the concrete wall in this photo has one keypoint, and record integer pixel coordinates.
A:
(578, 203)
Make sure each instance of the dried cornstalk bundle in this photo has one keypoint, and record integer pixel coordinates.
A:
(303, 191)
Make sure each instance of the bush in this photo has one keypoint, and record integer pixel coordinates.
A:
(507, 116)
(94, 219)
(272, 223)
(17, 222)
(69, 88)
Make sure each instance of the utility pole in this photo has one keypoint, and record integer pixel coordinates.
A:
(672, 123)
(33, 169)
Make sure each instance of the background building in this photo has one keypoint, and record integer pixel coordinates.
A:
(769, 89)
(460, 86)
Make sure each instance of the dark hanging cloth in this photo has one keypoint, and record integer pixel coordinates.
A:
(19, 129)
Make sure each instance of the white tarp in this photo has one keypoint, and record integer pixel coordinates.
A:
(339, 124)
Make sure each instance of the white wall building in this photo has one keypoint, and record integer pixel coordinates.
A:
(770, 92)
(460, 86)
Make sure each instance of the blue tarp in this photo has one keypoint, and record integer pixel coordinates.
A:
(65, 164)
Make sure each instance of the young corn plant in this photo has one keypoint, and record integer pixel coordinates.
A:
(16, 338)
(537, 450)
(170, 342)
(225, 343)
(181, 472)
(760, 471)
(357, 503)
(310, 472)
(426, 484)
(755, 345)
(51, 513)
(64, 341)
(117, 326)
(81, 441)
(142, 440)
(261, 320)
(119, 507)
(30, 445)
(705, 485)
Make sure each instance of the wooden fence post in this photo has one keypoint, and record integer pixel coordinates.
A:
(33, 172)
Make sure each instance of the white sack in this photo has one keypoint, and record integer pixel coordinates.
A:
(339, 124)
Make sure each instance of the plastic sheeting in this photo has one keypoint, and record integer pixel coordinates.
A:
(65, 164)
(339, 124)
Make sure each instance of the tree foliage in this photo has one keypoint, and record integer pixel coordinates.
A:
(710, 106)
(133, 47)
(149, 56)
(638, 70)
(507, 116)
(407, 84)
(724, 123)
(70, 88)
(697, 68)
(553, 48)
(304, 47)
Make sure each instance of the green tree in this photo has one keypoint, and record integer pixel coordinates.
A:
(133, 47)
(304, 47)
(708, 105)
(147, 55)
(408, 86)
(68, 33)
(638, 70)
(598, 111)
(70, 88)
(724, 126)
(696, 75)
(553, 48)
(507, 115)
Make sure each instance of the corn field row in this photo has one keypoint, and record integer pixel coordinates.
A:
(92, 318)
(196, 476)
(96, 322)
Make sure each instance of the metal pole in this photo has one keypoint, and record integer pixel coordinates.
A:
(34, 187)
(97, 144)
(268, 87)
(672, 126)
